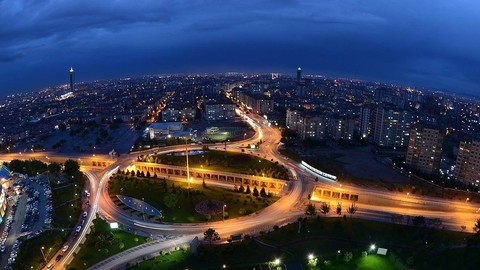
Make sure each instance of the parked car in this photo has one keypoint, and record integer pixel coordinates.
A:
(65, 248)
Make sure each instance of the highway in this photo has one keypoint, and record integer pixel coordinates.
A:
(373, 204)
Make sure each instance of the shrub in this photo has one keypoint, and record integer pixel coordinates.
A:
(242, 211)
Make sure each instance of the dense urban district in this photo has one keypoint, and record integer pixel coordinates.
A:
(239, 171)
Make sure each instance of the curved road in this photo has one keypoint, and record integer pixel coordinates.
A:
(373, 204)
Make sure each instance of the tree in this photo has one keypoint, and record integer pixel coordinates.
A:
(476, 227)
(311, 210)
(248, 190)
(210, 235)
(255, 192)
(263, 193)
(170, 200)
(352, 209)
(325, 208)
(241, 189)
(348, 256)
(339, 208)
(312, 262)
(71, 167)
(54, 167)
(148, 174)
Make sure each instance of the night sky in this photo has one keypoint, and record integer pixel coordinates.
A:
(432, 43)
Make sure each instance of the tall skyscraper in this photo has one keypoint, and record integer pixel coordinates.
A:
(390, 126)
(72, 79)
(425, 148)
(365, 121)
(299, 74)
(467, 167)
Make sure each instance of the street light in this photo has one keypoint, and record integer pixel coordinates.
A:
(44, 258)
(310, 256)
(372, 246)
(276, 262)
(223, 212)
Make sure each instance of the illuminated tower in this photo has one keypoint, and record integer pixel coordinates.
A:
(299, 74)
(72, 79)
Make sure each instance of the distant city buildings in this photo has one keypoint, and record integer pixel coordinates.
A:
(424, 151)
(467, 167)
(168, 130)
(219, 108)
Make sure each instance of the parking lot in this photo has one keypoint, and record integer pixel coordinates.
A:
(29, 213)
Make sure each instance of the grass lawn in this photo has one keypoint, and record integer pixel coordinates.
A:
(153, 191)
(95, 250)
(227, 162)
(290, 154)
(325, 236)
(164, 262)
(371, 262)
(66, 204)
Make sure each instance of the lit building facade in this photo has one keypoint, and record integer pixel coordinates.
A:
(390, 126)
(424, 151)
(467, 167)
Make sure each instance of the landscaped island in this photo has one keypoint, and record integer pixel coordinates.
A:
(222, 161)
(181, 202)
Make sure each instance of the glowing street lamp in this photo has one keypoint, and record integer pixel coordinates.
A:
(310, 256)
(276, 262)
(45, 259)
(373, 247)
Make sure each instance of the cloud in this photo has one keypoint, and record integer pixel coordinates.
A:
(428, 42)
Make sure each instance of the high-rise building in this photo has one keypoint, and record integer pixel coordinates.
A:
(299, 74)
(467, 167)
(365, 121)
(424, 151)
(293, 118)
(390, 126)
(72, 79)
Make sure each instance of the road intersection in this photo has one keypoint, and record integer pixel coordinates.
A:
(372, 204)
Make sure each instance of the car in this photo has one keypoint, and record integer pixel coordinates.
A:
(77, 230)
(85, 214)
(65, 248)
(58, 258)
(50, 267)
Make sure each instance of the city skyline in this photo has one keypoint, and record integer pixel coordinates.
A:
(413, 44)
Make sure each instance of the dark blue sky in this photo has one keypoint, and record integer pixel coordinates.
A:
(434, 43)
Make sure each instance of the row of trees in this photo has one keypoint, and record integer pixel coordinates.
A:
(325, 208)
(34, 167)
(256, 193)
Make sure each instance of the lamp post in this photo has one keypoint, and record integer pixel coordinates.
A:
(188, 169)
(223, 212)
(143, 212)
(43, 254)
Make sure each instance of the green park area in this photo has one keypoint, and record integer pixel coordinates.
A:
(178, 202)
(337, 244)
(224, 161)
(103, 242)
(165, 261)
